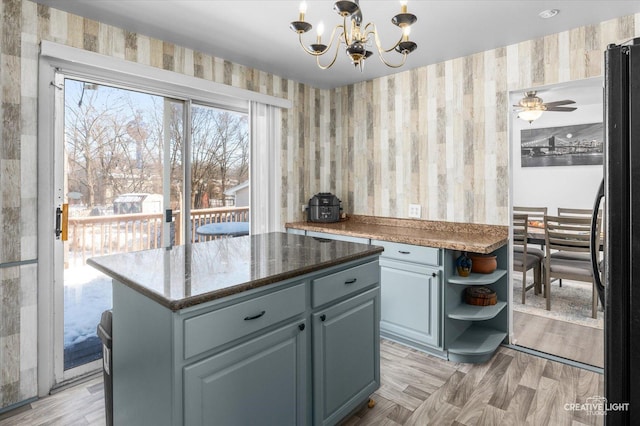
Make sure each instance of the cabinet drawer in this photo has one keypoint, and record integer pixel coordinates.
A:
(343, 283)
(216, 328)
(409, 253)
(338, 237)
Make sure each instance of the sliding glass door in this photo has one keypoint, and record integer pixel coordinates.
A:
(118, 171)
(121, 157)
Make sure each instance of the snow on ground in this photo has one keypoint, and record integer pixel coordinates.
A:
(87, 293)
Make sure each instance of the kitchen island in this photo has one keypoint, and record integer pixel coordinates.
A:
(422, 295)
(264, 329)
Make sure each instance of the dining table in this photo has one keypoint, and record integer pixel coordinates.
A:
(224, 229)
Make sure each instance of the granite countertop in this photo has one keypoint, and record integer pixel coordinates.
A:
(475, 238)
(184, 276)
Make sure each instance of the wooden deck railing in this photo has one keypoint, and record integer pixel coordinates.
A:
(101, 235)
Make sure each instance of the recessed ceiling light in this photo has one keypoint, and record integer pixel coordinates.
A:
(549, 13)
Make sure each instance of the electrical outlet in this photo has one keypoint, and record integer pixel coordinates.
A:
(415, 211)
(303, 208)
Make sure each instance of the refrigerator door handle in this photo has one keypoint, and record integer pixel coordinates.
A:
(595, 244)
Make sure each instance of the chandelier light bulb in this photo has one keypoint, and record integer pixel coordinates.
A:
(320, 30)
(303, 10)
(405, 32)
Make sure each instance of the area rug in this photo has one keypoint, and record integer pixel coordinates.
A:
(571, 302)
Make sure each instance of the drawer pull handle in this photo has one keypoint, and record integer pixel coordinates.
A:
(323, 317)
(351, 281)
(404, 252)
(256, 316)
(301, 327)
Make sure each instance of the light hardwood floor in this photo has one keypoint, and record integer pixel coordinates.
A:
(564, 339)
(513, 388)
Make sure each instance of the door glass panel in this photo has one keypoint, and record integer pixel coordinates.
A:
(122, 163)
(219, 173)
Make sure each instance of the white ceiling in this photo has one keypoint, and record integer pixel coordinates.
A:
(257, 34)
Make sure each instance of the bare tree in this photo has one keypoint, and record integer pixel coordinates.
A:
(115, 144)
(219, 147)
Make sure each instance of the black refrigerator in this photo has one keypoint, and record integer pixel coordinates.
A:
(622, 233)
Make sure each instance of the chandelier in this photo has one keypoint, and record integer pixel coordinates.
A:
(356, 36)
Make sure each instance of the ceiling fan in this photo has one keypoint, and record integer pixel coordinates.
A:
(531, 106)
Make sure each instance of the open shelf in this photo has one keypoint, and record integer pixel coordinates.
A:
(476, 313)
(476, 344)
(478, 279)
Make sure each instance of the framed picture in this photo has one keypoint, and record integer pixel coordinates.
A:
(576, 145)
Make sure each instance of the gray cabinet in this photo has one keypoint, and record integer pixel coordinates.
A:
(260, 381)
(411, 302)
(411, 295)
(346, 351)
(263, 356)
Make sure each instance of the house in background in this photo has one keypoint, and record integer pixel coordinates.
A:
(238, 195)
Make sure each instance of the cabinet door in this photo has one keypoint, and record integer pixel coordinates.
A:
(346, 356)
(262, 381)
(411, 303)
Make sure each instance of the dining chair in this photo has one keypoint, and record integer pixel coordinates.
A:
(536, 214)
(585, 213)
(567, 236)
(535, 219)
(523, 261)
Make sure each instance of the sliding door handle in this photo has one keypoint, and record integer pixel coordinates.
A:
(62, 222)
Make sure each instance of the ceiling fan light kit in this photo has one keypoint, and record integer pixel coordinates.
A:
(530, 115)
(531, 107)
(356, 36)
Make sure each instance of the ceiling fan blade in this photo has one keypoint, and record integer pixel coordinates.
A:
(563, 109)
(558, 103)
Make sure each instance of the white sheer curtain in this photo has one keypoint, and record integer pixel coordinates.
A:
(266, 169)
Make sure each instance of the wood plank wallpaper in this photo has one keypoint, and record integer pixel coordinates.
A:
(438, 135)
(435, 135)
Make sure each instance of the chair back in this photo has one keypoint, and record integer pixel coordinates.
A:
(567, 233)
(564, 211)
(536, 214)
(520, 230)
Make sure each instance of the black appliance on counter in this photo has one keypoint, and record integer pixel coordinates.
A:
(622, 233)
(324, 207)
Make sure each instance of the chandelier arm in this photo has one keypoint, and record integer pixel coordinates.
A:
(333, 34)
(346, 34)
(309, 51)
(314, 53)
(324, 67)
(377, 39)
(404, 58)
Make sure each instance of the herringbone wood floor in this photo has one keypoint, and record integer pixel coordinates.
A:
(513, 388)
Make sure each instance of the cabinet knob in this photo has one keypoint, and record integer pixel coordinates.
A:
(433, 274)
(301, 327)
(323, 317)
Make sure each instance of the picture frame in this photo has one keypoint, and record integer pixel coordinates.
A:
(574, 145)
